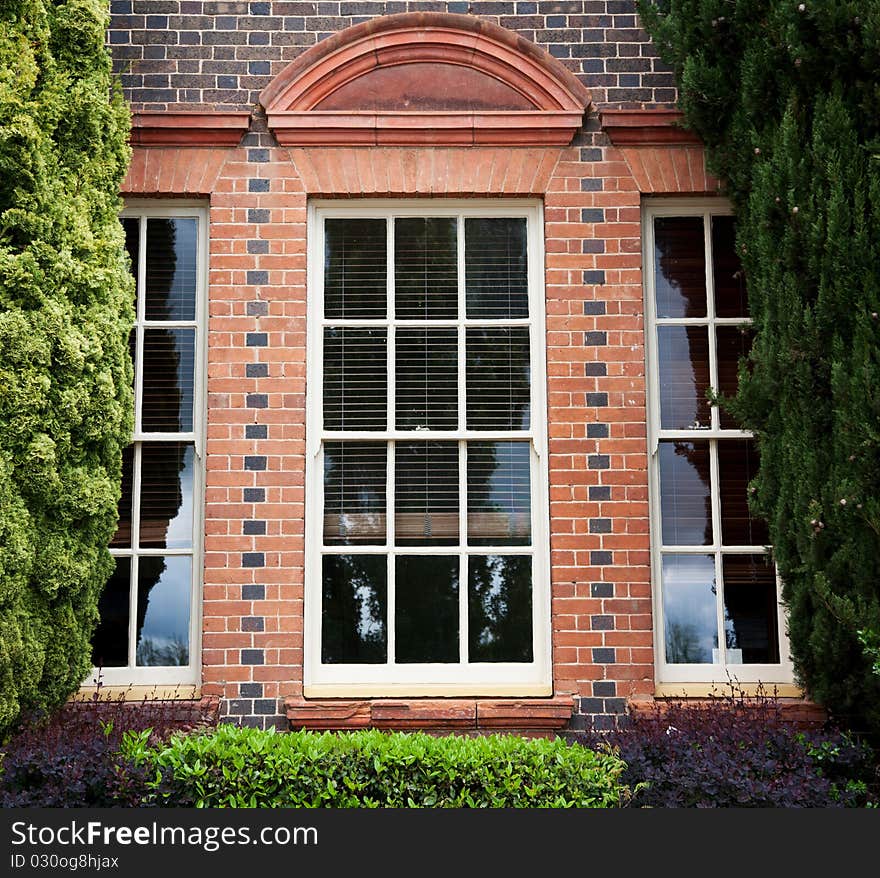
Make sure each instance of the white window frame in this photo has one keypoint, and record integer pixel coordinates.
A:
(484, 678)
(722, 672)
(190, 674)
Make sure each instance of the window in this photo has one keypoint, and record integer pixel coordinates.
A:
(427, 564)
(148, 629)
(716, 594)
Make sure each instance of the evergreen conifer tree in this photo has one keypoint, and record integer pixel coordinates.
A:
(786, 96)
(65, 313)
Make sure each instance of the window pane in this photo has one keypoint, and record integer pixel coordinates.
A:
(355, 268)
(355, 379)
(496, 276)
(685, 493)
(684, 377)
(171, 268)
(131, 230)
(426, 598)
(498, 379)
(679, 266)
(689, 609)
(169, 371)
(499, 494)
(737, 466)
(426, 494)
(425, 268)
(122, 537)
(750, 607)
(353, 612)
(166, 513)
(500, 608)
(110, 640)
(730, 284)
(426, 379)
(733, 344)
(164, 595)
(354, 493)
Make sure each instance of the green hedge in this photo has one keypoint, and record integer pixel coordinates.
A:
(235, 767)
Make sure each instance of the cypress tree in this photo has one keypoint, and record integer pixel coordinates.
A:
(786, 97)
(66, 308)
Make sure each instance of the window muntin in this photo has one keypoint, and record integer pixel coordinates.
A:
(427, 550)
(717, 608)
(149, 614)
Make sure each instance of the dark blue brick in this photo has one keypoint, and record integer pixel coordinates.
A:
(255, 690)
(257, 400)
(157, 22)
(120, 7)
(119, 36)
(526, 8)
(597, 399)
(597, 431)
(602, 623)
(592, 245)
(595, 337)
(595, 370)
(602, 589)
(253, 623)
(594, 308)
(254, 495)
(598, 461)
(603, 689)
(592, 184)
(615, 705)
(591, 154)
(255, 657)
(256, 184)
(603, 723)
(258, 214)
(600, 525)
(240, 706)
(260, 8)
(258, 155)
(463, 8)
(265, 706)
(258, 68)
(257, 308)
(226, 81)
(603, 655)
(257, 339)
(256, 370)
(600, 492)
(255, 463)
(600, 559)
(253, 592)
(556, 21)
(255, 431)
(253, 527)
(253, 559)
(591, 705)
(594, 276)
(257, 245)
(261, 276)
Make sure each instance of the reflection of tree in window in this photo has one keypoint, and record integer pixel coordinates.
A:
(354, 601)
(698, 460)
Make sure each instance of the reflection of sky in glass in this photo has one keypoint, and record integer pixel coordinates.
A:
(368, 625)
(684, 493)
(689, 608)
(164, 636)
(180, 527)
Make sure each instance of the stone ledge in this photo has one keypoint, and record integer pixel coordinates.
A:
(800, 712)
(529, 715)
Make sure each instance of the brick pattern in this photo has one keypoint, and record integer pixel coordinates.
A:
(199, 54)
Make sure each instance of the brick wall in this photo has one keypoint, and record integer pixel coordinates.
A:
(196, 53)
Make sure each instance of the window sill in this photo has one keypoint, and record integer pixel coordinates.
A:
(704, 690)
(528, 715)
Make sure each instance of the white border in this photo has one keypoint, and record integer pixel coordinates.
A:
(721, 673)
(483, 678)
(190, 674)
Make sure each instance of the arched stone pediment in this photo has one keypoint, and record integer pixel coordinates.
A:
(425, 78)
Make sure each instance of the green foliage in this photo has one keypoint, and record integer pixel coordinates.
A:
(232, 767)
(786, 96)
(66, 307)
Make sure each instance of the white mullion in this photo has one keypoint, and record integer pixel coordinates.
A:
(390, 337)
(462, 556)
(388, 550)
(462, 333)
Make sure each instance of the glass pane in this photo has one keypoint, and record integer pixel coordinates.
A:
(684, 377)
(110, 640)
(498, 379)
(122, 537)
(499, 494)
(679, 266)
(354, 493)
(131, 230)
(426, 601)
(169, 380)
(733, 344)
(689, 609)
(685, 494)
(500, 608)
(171, 268)
(426, 494)
(164, 598)
(730, 283)
(750, 607)
(355, 268)
(426, 379)
(355, 379)
(166, 513)
(353, 611)
(425, 268)
(737, 466)
(496, 275)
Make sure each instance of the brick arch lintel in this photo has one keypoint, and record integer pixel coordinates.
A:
(292, 101)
